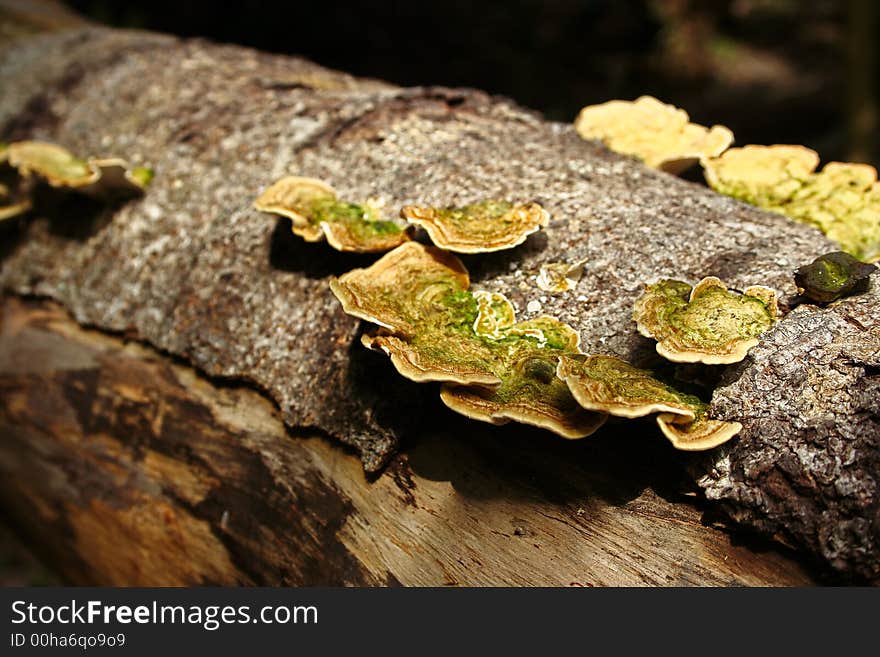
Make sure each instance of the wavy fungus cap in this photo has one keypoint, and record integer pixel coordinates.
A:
(611, 385)
(660, 135)
(842, 200)
(704, 324)
(316, 214)
(478, 228)
(60, 168)
(832, 276)
(493, 368)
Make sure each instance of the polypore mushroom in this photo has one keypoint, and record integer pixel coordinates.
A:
(704, 324)
(610, 385)
(842, 200)
(316, 214)
(478, 228)
(558, 277)
(402, 286)
(661, 135)
(60, 168)
(701, 434)
(832, 276)
(493, 368)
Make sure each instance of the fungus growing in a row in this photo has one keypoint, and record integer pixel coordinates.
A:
(558, 277)
(832, 276)
(607, 384)
(660, 135)
(478, 228)
(704, 324)
(842, 200)
(60, 168)
(316, 214)
(434, 329)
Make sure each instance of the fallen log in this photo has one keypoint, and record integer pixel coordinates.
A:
(193, 270)
(123, 466)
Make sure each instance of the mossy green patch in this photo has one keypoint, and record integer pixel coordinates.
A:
(832, 276)
(610, 385)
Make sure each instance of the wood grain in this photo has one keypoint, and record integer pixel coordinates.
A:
(122, 466)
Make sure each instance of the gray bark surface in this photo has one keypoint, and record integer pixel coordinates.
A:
(193, 270)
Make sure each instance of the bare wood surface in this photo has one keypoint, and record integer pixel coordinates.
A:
(122, 467)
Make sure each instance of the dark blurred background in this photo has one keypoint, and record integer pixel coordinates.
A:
(774, 71)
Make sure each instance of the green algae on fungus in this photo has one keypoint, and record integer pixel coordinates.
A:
(478, 228)
(316, 214)
(434, 329)
(660, 135)
(403, 285)
(704, 324)
(842, 200)
(832, 276)
(60, 168)
(610, 385)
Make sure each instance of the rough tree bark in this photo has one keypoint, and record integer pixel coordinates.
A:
(194, 271)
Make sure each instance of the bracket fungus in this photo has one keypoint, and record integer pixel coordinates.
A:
(707, 323)
(316, 214)
(610, 385)
(660, 135)
(60, 168)
(832, 276)
(842, 200)
(558, 277)
(10, 210)
(480, 227)
(493, 368)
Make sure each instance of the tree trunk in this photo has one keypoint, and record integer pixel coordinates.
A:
(194, 271)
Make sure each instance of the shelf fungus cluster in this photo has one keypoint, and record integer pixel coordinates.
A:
(661, 135)
(482, 227)
(317, 214)
(607, 384)
(496, 369)
(26, 162)
(706, 323)
(842, 200)
(832, 276)
(492, 368)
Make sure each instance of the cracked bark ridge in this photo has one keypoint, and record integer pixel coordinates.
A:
(806, 465)
(192, 269)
